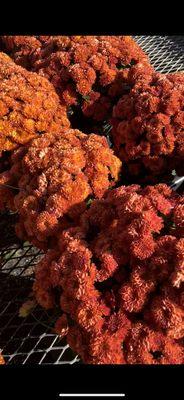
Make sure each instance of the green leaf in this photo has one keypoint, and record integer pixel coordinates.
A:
(89, 201)
(122, 66)
(86, 98)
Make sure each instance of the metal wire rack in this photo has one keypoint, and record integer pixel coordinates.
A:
(166, 53)
(31, 340)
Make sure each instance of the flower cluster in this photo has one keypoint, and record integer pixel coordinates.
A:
(120, 277)
(82, 68)
(147, 346)
(21, 47)
(148, 125)
(58, 175)
(28, 105)
(114, 262)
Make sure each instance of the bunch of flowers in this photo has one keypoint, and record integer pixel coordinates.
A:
(114, 262)
(148, 125)
(82, 68)
(29, 105)
(119, 278)
(57, 175)
(20, 47)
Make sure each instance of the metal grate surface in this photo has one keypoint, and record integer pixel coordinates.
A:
(31, 339)
(166, 52)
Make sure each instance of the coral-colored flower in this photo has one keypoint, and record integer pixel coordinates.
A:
(59, 173)
(120, 278)
(148, 124)
(78, 68)
(28, 105)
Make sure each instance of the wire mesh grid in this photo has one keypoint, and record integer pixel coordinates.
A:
(166, 53)
(31, 340)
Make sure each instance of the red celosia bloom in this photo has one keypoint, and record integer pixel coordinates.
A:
(148, 125)
(119, 278)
